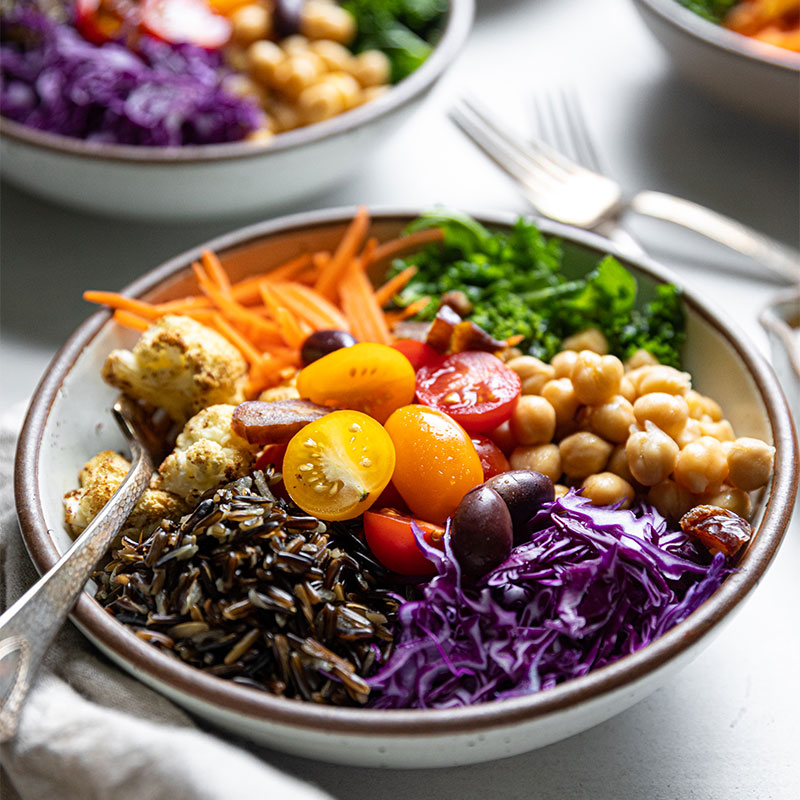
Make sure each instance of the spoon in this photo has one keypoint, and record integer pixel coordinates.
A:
(29, 626)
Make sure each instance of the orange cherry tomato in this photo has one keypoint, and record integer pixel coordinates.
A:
(492, 457)
(436, 463)
(336, 467)
(391, 539)
(368, 377)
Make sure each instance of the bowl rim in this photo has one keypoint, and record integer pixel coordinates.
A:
(771, 56)
(226, 696)
(456, 29)
(774, 318)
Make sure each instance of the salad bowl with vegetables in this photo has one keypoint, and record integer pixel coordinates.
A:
(136, 108)
(438, 490)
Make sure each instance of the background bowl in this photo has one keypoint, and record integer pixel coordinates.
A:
(195, 182)
(741, 72)
(69, 421)
(781, 320)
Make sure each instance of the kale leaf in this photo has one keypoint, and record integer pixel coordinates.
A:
(713, 10)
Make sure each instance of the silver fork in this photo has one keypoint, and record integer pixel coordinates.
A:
(563, 190)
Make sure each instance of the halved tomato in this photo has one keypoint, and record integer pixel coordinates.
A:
(475, 388)
(391, 539)
(492, 458)
(190, 21)
(98, 21)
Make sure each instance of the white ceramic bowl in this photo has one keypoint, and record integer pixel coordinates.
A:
(741, 72)
(69, 421)
(183, 183)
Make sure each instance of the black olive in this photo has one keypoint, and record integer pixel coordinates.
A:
(286, 16)
(320, 343)
(481, 532)
(524, 492)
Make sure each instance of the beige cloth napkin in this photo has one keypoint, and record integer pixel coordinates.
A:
(90, 732)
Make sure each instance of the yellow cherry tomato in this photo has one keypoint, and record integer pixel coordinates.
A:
(368, 377)
(437, 464)
(335, 468)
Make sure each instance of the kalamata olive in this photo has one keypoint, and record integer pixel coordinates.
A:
(320, 343)
(524, 492)
(286, 16)
(481, 532)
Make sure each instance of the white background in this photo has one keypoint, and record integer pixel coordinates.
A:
(727, 726)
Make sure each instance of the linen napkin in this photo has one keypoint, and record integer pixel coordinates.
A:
(89, 731)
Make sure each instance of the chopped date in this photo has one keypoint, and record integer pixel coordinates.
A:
(717, 528)
(274, 423)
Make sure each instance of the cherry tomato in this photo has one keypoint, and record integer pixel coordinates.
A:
(191, 21)
(97, 21)
(391, 498)
(391, 539)
(271, 454)
(373, 378)
(475, 388)
(492, 458)
(335, 468)
(436, 461)
(418, 353)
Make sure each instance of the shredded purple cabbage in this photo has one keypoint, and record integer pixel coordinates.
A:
(163, 95)
(592, 585)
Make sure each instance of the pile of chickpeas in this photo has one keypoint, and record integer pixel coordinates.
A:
(620, 430)
(308, 76)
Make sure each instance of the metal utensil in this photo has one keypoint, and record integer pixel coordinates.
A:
(29, 626)
(563, 190)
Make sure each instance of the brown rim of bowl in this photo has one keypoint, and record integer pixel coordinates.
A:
(695, 26)
(454, 34)
(239, 700)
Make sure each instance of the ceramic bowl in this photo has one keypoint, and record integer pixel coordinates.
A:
(741, 72)
(781, 320)
(69, 421)
(223, 180)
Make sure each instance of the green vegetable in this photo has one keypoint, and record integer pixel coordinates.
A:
(713, 10)
(516, 285)
(403, 29)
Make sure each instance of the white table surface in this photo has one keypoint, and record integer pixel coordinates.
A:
(727, 726)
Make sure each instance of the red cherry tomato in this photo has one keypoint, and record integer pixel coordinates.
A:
(492, 458)
(271, 454)
(191, 21)
(475, 388)
(391, 498)
(97, 21)
(391, 539)
(418, 353)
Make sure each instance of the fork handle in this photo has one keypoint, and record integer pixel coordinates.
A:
(777, 258)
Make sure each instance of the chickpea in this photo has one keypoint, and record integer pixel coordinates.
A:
(732, 499)
(284, 391)
(560, 489)
(295, 44)
(327, 21)
(532, 372)
(544, 458)
(627, 389)
(347, 87)
(261, 134)
(263, 58)
(320, 101)
(671, 500)
(722, 430)
(241, 86)
(533, 420)
(336, 56)
(250, 23)
(372, 68)
(701, 406)
(664, 379)
(373, 93)
(618, 464)
(503, 437)
(641, 358)
(563, 363)
(295, 73)
(566, 428)
(560, 394)
(668, 411)
(590, 339)
(286, 117)
(612, 420)
(701, 466)
(606, 488)
(596, 378)
(750, 463)
(583, 454)
(651, 455)
(690, 433)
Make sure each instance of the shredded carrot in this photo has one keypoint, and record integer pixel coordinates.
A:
(393, 317)
(344, 254)
(286, 321)
(236, 339)
(120, 301)
(184, 304)
(215, 271)
(308, 305)
(362, 309)
(514, 340)
(388, 290)
(391, 248)
(131, 320)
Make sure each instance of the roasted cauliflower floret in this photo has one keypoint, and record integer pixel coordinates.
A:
(181, 366)
(207, 453)
(100, 477)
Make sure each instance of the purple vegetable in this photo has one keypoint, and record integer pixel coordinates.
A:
(163, 95)
(590, 586)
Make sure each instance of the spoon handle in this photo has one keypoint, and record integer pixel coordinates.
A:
(29, 626)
